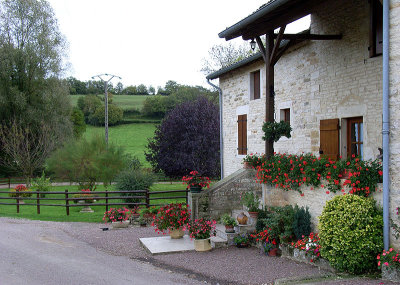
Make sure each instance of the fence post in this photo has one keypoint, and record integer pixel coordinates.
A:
(106, 200)
(147, 198)
(9, 182)
(17, 201)
(38, 202)
(187, 195)
(66, 201)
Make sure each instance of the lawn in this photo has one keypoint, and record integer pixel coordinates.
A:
(126, 102)
(132, 137)
(58, 214)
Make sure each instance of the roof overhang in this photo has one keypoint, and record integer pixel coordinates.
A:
(270, 16)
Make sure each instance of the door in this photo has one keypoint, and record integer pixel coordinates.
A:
(329, 138)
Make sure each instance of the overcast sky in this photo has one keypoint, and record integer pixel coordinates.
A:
(146, 42)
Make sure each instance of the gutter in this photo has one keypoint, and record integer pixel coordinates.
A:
(221, 140)
(385, 125)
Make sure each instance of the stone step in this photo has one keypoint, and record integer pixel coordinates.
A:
(228, 237)
(217, 242)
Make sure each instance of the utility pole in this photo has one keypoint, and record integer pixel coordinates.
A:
(108, 78)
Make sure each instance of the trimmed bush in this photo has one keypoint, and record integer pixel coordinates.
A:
(133, 180)
(115, 115)
(351, 233)
(78, 122)
(301, 222)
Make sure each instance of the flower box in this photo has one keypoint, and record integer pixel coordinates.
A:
(301, 256)
(391, 273)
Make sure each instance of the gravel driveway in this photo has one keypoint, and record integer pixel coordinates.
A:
(220, 266)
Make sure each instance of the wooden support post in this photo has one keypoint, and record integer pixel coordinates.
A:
(38, 203)
(269, 100)
(66, 202)
(9, 182)
(187, 196)
(147, 198)
(17, 202)
(106, 200)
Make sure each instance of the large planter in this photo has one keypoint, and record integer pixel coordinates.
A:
(202, 244)
(120, 225)
(391, 273)
(195, 189)
(176, 233)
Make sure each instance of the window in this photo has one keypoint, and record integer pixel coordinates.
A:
(355, 137)
(375, 29)
(242, 134)
(285, 115)
(329, 138)
(255, 85)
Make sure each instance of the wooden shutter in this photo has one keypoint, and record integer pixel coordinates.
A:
(256, 84)
(329, 138)
(242, 134)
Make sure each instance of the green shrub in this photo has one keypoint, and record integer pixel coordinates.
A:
(41, 184)
(351, 233)
(88, 105)
(78, 122)
(115, 115)
(134, 163)
(301, 222)
(133, 180)
(87, 162)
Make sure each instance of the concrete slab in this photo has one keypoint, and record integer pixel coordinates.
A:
(164, 244)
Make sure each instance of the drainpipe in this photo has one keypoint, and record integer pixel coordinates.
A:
(221, 143)
(385, 125)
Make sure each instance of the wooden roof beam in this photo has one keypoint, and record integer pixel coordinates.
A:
(277, 44)
(308, 37)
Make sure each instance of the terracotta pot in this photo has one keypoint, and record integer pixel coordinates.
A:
(246, 165)
(229, 229)
(202, 244)
(242, 218)
(253, 215)
(176, 233)
(274, 252)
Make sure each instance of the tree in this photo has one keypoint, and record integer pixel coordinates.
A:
(187, 139)
(119, 88)
(223, 55)
(130, 90)
(87, 162)
(142, 90)
(171, 87)
(152, 90)
(31, 93)
(78, 121)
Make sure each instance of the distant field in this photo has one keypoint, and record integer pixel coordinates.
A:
(132, 137)
(126, 102)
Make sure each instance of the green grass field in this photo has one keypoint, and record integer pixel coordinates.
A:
(58, 214)
(132, 137)
(126, 102)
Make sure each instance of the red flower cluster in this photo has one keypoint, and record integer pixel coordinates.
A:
(171, 216)
(310, 245)
(20, 188)
(201, 228)
(194, 179)
(116, 215)
(389, 258)
(264, 236)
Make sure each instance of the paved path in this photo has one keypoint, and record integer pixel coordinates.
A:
(39, 253)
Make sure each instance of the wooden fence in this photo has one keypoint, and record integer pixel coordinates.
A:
(12, 180)
(142, 195)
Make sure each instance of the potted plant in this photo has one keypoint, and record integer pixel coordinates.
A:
(172, 218)
(241, 241)
(273, 131)
(252, 202)
(142, 222)
(229, 223)
(20, 191)
(268, 243)
(119, 218)
(135, 213)
(85, 197)
(201, 231)
(149, 213)
(196, 182)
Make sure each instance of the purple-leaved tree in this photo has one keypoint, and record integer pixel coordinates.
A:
(187, 139)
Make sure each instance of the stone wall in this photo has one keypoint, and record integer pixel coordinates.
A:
(224, 196)
(317, 80)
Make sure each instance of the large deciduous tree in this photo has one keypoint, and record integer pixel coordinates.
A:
(33, 100)
(187, 139)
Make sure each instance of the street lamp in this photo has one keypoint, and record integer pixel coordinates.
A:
(105, 81)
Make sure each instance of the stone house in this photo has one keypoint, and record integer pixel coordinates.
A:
(326, 82)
